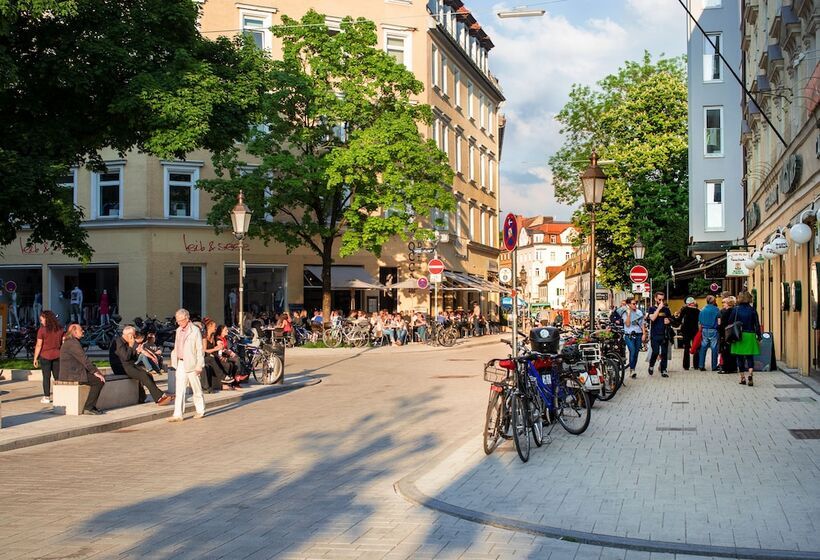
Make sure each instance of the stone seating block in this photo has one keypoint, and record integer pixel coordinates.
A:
(118, 391)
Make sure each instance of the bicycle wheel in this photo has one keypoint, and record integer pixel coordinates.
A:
(572, 406)
(610, 370)
(332, 337)
(274, 369)
(537, 420)
(521, 428)
(493, 421)
(447, 338)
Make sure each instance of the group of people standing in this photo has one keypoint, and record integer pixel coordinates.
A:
(709, 328)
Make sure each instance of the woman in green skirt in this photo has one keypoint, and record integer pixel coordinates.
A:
(748, 346)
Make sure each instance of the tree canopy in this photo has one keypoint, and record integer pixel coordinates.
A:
(77, 76)
(338, 155)
(637, 118)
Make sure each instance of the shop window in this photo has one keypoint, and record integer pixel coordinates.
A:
(181, 194)
(193, 290)
(107, 193)
(785, 296)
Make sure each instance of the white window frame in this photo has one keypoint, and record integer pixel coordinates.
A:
(118, 166)
(73, 184)
(490, 119)
(334, 24)
(457, 87)
(472, 220)
(471, 162)
(706, 132)
(407, 48)
(482, 226)
(470, 96)
(267, 21)
(491, 173)
(482, 167)
(445, 139)
(459, 148)
(445, 90)
(708, 204)
(180, 167)
(493, 231)
(434, 66)
(711, 58)
(457, 225)
(482, 112)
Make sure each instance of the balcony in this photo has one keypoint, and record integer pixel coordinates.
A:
(750, 11)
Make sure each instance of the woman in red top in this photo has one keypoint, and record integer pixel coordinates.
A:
(47, 351)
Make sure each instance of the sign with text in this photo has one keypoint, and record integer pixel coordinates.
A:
(200, 246)
(734, 263)
(638, 273)
(640, 287)
(435, 278)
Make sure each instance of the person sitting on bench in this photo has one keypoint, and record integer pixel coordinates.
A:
(122, 355)
(75, 366)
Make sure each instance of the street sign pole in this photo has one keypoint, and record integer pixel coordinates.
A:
(515, 302)
(435, 288)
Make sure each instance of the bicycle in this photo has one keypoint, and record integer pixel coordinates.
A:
(257, 358)
(101, 335)
(497, 419)
(354, 334)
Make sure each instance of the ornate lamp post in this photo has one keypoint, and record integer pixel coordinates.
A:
(593, 181)
(638, 249)
(241, 221)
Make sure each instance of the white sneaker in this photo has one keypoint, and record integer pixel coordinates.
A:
(45, 400)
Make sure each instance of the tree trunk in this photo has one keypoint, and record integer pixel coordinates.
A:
(327, 290)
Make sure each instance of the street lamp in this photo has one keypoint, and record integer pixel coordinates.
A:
(638, 249)
(521, 12)
(593, 181)
(241, 221)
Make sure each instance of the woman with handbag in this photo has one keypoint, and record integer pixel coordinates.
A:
(726, 315)
(744, 333)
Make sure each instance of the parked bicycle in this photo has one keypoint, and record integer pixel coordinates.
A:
(347, 332)
(101, 335)
(257, 358)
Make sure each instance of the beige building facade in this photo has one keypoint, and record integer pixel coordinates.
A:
(780, 61)
(146, 219)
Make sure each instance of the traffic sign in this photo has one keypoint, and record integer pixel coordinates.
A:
(640, 287)
(638, 273)
(11, 286)
(714, 287)
(505, 275)
(422, 283)
(510, 232)
(435, 278)
(435, 266)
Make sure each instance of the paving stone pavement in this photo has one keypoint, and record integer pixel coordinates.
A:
(731, 474)
(310, 474)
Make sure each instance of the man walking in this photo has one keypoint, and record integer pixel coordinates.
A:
(188, 359)
(122, 354)
(659, 317)
(634, 332)
(708, 320)
(688, 317)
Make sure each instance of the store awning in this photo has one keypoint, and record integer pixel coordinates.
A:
(343, 278)
(698, 270)
(460, 281)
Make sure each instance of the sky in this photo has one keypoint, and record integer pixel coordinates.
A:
(537, 60)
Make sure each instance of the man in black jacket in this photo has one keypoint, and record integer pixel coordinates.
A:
(122, 354)
(75, 366)
(688, 320)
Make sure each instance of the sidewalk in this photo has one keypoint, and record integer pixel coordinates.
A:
(409, 348)
(693, 464)
(27, 422)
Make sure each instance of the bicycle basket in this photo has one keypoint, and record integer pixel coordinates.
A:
(591, 353)
(494, 373)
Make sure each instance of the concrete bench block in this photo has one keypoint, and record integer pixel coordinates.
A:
(118, 391)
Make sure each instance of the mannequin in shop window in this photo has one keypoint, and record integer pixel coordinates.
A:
(37, 306)
(232, 305)
(76, 302)
(13, 310)
(105, 309)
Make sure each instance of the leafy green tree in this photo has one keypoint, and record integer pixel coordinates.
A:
(340, 157)
(638, 119)
(81, 75)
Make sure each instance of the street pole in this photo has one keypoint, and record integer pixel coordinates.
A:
(241, 289)
(515, 302)
(592, 270)
(435, 287)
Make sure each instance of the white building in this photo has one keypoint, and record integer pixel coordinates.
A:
(543, 244)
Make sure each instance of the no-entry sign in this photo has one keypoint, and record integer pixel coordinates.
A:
(435, 266)
(638, 274)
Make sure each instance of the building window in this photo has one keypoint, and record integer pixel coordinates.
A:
(552, 239)
(538, 238)
(712, 67)
(712, 3)
(68, 188)
(552, 256)
(445, 140)
(490, 119)
(444, 89)
(472, 221)
(493, 231)
(440, 220)
(457, 86)
(470, 96)
(107, 193)
(192, 290)
(483, 228)
(255, 28)
(491, 173)
(471, 162)
(398, 46)
(482, 169)
(459, 147)
(482, 109)
(458, 219)
(713, 145)
(437, 132)
(434, 67)
(567, 255)
(714, 206)
(334, 25)
(181, 194)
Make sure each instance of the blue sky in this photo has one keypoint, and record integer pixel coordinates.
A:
(538, 59)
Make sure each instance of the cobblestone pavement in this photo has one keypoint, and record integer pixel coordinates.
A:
(310, 474)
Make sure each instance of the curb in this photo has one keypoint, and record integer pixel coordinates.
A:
(407, 489)
(163, 412)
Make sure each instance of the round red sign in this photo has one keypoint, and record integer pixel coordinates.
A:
(639, 274)
(510, 232)
(422, 283)
(435, 266)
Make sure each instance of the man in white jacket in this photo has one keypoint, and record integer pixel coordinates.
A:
(188, 359)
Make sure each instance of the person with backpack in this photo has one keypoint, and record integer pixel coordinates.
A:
(747, 345)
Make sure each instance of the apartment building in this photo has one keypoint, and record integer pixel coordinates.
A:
(782, 165)
(146, 218)
(715, 152)
(543, 245)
